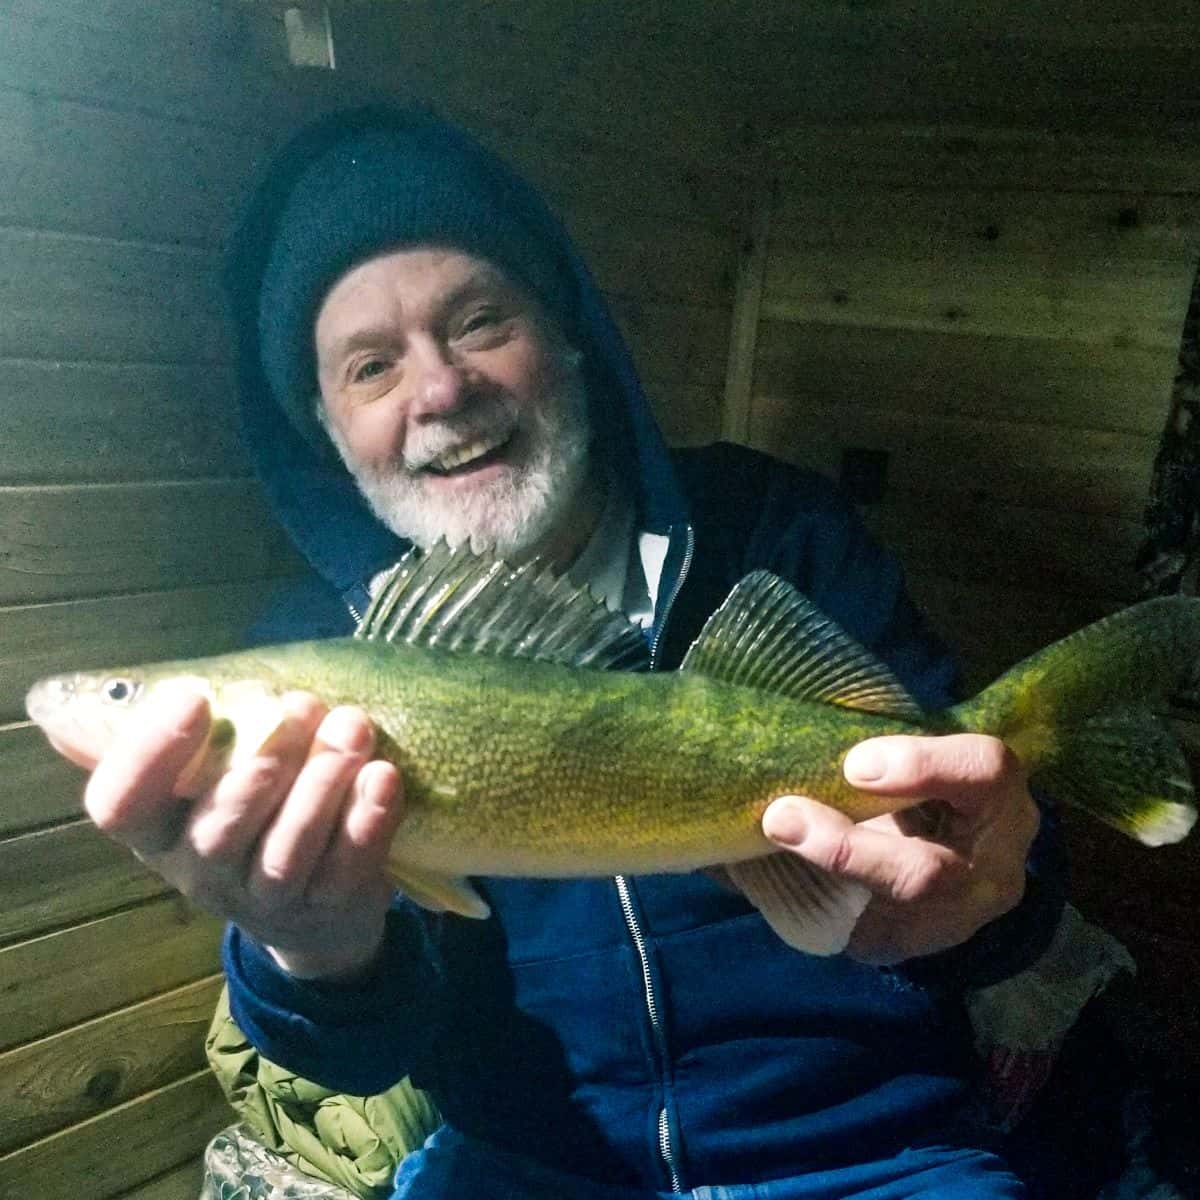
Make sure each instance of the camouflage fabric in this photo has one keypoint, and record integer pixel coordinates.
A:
(354, 1142)
(237, 1166)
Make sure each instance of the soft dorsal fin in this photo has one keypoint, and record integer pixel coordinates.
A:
(767, 635)
(452, 599)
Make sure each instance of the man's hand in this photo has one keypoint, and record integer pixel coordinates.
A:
(290, 845)
(938, 873)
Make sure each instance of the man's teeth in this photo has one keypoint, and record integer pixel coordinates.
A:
(465, 454)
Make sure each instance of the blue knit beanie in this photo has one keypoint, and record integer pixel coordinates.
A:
(382, 186)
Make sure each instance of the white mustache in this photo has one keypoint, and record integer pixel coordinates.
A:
(438, 440)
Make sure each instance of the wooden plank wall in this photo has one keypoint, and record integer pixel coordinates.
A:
(1003, 322)
(982, 224)
(1008, 342)
(129, 529)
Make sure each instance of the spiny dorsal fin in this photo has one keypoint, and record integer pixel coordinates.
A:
(452, 599)
(766, 635)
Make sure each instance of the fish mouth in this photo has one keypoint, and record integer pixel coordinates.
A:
(45, 703)
(46, 699)
(72, 751)
(470, 456)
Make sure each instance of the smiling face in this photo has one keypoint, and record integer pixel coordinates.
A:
(456, 406)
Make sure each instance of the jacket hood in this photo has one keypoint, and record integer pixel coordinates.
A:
(305, 482)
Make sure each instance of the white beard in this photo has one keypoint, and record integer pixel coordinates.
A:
(506, 516)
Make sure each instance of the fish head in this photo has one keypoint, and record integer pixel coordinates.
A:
(84, 713)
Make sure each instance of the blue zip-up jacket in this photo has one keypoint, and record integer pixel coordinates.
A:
(653, 1030)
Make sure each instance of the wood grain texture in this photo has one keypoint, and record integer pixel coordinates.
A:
(746, 317)
(37, 786)
(157, 56)
(620, 73)
(47, 639)
(179, 1183)
(612, 71)
(658, 260)
(580, 174)
(57, 877)
(109, 422)
(1099, 302)
(1071, 554)
(675, 342)
(59, 979)
(80, 1072)
(935, 375)
(990, 225)
(892, 152)
(70, 541)
(1006, 462)
(992, 624)
(64, 296)
(127, 175)
(688, 415)
(109, 1154)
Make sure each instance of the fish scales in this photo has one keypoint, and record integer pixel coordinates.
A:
(530, 768)
(517, 766)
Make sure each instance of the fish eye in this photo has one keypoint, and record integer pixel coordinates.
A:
(119, 690)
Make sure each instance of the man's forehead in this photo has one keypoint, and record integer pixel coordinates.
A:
(417, 283)
(419, 271)
(408, 282)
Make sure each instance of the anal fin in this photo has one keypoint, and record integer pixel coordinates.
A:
(439, 893)
(808, 908)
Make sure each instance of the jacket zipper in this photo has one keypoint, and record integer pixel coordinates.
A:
(666, 1150)
(689, 549)
(665, 1147)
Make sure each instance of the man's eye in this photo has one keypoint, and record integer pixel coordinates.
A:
(371, 369)
(479, 322)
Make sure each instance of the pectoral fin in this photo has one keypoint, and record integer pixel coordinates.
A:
(439, 893)
(810, 909)
(248, 718)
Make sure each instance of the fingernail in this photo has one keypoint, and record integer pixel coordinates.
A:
(343, 730)
(865, 763)
(178, 708)
(784, 822)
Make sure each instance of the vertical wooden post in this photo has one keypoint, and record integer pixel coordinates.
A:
(747, 304)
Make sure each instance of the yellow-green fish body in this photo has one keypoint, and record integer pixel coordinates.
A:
(531, 768)
(517, 766)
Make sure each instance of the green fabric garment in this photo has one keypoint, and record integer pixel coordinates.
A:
(353, 1141)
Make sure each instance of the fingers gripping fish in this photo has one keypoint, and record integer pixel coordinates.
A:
(524, 752)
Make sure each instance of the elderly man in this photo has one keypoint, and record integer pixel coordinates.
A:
(424, 356)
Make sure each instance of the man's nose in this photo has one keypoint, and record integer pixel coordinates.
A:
(438, 383)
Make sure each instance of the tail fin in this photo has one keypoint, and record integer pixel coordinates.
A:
(1081, 717)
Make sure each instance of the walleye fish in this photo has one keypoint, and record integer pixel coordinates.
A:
(523, 752)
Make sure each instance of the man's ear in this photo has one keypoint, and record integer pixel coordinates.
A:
(331, 446)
